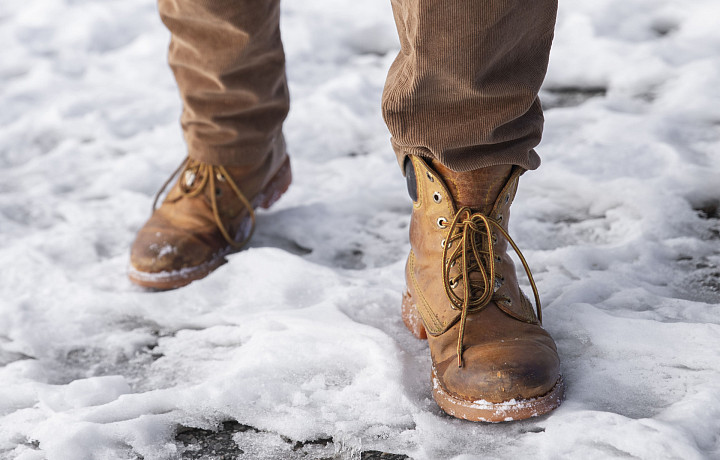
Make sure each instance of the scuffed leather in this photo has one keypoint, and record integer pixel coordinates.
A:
(182, 232)
(507, 352)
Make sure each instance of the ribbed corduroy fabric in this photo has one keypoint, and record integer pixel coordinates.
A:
(462, 91)
(229, 65)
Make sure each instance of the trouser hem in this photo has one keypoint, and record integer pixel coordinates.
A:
(526, 159)
(245, 155)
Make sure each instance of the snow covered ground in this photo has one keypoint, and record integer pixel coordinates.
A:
(299, 336)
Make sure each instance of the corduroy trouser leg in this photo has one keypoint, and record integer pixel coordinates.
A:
(463, 89)
(229, 65)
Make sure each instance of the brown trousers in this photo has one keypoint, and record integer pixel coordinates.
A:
(463, 89)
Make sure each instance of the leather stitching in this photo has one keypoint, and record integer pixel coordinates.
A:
(426, 312)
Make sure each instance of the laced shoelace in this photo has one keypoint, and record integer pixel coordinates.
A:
(475, 253)
(191, 170)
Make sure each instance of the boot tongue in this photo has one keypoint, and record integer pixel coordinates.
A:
(477, 189)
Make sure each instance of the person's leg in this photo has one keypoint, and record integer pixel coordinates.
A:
(463, 89)
(229, 64)
(461, 105)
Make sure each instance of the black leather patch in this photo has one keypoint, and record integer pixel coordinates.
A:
(411, 179)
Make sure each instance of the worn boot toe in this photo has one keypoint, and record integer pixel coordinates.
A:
(168, 251)
(518, 370)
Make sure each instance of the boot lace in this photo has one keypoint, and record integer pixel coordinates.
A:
(193, 171)
(471, 234)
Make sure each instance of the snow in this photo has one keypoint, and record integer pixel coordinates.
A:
(300, 336)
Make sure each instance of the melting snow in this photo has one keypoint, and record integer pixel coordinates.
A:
(300, 336)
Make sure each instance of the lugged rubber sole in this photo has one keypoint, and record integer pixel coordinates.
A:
(166, 280)
(480, 410)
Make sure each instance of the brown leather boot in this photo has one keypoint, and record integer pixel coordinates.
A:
(208, 213)
(492, 360)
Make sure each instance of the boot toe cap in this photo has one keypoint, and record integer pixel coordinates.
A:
(519, 369)
(157, 251)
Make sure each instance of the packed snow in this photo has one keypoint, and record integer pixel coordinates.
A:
(300, 336)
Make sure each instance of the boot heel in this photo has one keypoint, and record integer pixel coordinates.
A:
(276, 187)
(411, 316)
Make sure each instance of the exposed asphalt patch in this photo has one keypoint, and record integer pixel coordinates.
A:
(237, 441)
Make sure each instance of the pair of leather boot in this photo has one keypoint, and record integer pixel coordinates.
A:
(492, 360)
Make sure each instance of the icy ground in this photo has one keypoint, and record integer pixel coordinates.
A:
(297, 342)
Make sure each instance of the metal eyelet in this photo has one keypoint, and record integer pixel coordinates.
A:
(437, 197)
(498, 259)
(442, 243)
(494, 238)
(220, 177)
(507, 198)
(453, 284)
(189, 178)
(218, 191)
(441, 222)
(430, 177)
(500, 218)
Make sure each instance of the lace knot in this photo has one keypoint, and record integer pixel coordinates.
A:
(195, 176)
(470, 245)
